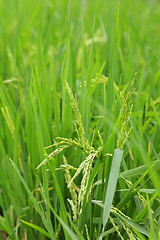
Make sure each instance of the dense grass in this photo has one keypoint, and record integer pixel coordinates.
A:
(52, 53)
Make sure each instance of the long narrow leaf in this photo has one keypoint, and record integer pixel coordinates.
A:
(65, 226)
(39, 229)
(109, 96)
(133, 224)
(118, 154)
(34, 201)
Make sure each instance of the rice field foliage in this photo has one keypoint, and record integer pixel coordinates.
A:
(79, 119)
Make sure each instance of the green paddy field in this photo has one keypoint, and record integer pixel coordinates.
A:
(79, 119)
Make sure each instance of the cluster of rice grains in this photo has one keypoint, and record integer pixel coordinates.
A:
(81, 142)
(125, 116)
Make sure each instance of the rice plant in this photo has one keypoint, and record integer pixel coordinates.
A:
(79, 116)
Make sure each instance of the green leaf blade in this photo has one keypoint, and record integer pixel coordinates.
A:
(118, 154)
(39, 229)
